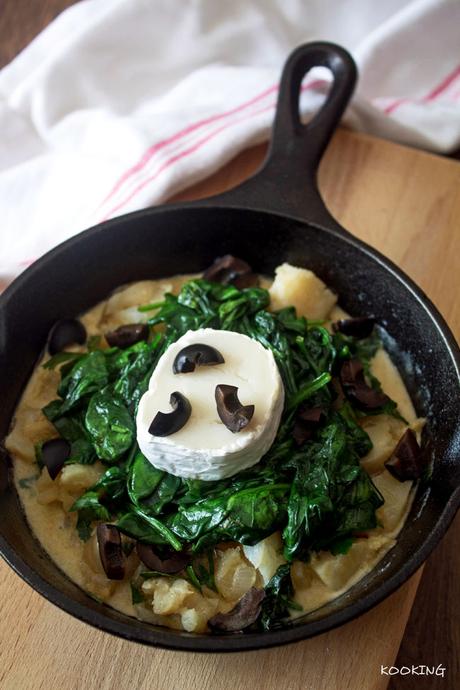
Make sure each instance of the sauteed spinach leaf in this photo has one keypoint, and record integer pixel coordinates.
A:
(150, 488)
(330, 495)
(100, 391)
(101, 501)
(279, 599)
(315, 492)
(110, 426)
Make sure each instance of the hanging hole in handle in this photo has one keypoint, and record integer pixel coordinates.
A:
(304, 144)
(314, 90)
(287, 179)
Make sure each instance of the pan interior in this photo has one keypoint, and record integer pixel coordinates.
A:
(167, 241)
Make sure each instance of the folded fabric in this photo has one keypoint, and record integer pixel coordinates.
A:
(120, 103)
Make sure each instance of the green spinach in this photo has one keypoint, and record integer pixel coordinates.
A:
(317, 494)
(278, 601)
(109, 425)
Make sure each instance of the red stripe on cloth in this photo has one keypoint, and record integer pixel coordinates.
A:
(431, 96)
(182, 133)
(173, 159)
(389, 108)
(313, 84)
(180, 155)
(152, 150)
(438, 90)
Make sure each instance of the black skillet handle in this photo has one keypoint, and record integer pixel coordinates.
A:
(286, 182)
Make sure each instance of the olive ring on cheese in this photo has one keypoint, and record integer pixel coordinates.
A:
(196, 355)
(232, 413)
(167, 423)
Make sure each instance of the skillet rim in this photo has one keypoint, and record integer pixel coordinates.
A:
(163, 637)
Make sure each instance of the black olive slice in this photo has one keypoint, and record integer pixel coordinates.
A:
(167, 423)
(226, 269)
(173, 563)
(110, 551)
(407, 461)
(125, 336)
(65, 332)
(358, 327)
(233, 414)
(196, 355)
(356, 389)
(307, 419)
(54, 454)
(244, 614)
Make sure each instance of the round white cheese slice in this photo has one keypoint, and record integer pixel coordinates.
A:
(204, 448)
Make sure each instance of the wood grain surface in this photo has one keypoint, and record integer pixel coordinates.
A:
(407, 204)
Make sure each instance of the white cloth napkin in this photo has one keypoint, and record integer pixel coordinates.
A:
(120, 103)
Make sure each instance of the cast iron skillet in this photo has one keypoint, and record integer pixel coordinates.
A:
(276, 216)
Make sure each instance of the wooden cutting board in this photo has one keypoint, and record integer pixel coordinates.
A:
(405, 203)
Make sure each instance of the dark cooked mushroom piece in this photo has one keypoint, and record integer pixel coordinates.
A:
(357, 327)
(196, 355)
(407, 460)
(245, 280)
(110, 551)
(64, 333)
(167, 423)
(356, 389)
(229, 269)
(127, 335)
(351, 372)
(54, 453)
(311, 415)
(244, 614)
(171, 563)
(232, 413)
(307, 420)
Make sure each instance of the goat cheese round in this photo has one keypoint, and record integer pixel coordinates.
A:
(204, 448)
